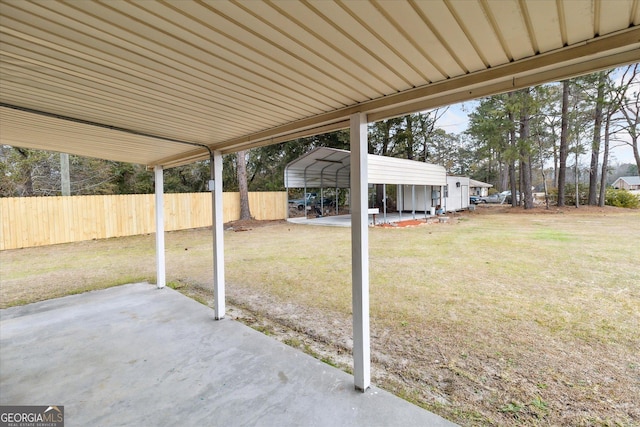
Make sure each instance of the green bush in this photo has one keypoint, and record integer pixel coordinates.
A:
(621, 199)
(570, 194)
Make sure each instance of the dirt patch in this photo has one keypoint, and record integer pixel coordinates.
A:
(490, 209)
(249, 224)
(403, 224)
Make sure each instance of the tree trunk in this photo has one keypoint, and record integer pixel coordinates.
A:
(562, 169)
(630, 108)
(245, 212)
(576, 171)
(525, 160)
(595, 146)
(27, 171)
(410, 140)
(512, 182)
(555, 157)
(386, 138)
(544, 176)
(489, 167)
(605, 161)
(577, 180)
(512, 167)
(636, 152)
(65, 180)
(504, 176)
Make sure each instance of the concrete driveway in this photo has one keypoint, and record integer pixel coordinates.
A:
(134, 355)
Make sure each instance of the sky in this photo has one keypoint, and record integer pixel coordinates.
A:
(456, 120)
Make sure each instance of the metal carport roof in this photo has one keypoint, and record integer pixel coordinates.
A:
(164, 83)
(474, 183)
(128, 80)
(330, 167)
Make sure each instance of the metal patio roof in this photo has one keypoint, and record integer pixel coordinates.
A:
(474, 183)
(325, 167)
(134, 81)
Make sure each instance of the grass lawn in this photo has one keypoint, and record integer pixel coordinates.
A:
(501, 317)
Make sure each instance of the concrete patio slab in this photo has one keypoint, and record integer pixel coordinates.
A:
(134, 355)
(345, 220)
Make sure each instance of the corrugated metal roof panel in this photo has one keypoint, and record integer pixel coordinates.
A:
(330, 167)
(390, 170)
(474, 183)
(233, 75)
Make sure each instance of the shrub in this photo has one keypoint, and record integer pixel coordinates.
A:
(570, 194)
(621, 199)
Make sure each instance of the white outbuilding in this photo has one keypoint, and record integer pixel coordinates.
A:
(479, 188)
(452, 197)
(456, 197)
(419, 184)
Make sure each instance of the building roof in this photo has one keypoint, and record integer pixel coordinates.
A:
(474, 183)
(330, 168)
(161, 83)
(630, 180)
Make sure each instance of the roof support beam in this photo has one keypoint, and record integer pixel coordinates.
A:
(581, 58)
(360, 252)
(159, 198)
(507, 85)
(218, 236)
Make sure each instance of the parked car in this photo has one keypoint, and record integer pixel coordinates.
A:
(473, 199)
(300, 203)
(325, 201)
(493, 198)
(506, 195)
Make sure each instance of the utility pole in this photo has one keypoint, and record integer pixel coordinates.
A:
(64, 174)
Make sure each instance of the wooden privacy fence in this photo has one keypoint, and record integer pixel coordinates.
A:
(39, 221)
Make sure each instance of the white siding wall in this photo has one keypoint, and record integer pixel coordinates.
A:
(479, 191)
(406, 201)
(458, 198)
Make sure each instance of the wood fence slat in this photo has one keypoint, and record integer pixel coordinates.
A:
(99, 217)
(51, 218)
(38, 221)
(67, 225)
(26, 222)
(86, 210)
(3, 222)
(45, 220)
(10, 235)
(14, 227)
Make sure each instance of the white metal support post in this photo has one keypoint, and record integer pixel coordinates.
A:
(218, 237)
(425, 202)
(160, 264)
(384, 201)
(360, 252)
(413, 201)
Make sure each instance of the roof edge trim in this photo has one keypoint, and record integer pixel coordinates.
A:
(457, 89)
